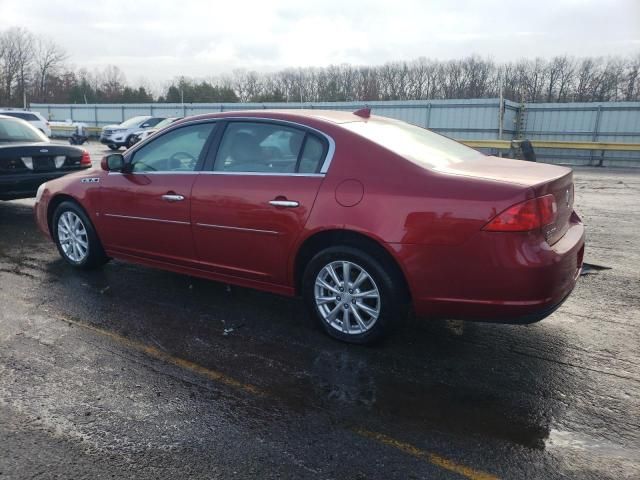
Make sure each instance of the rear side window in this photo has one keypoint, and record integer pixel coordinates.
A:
(263, 147)
(312, 155)
(29, 117)
(176, 151)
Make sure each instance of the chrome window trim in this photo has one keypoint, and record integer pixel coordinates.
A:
(208, 172)
(241, 229)
(128, 217)
(265, 174)
(323, 169)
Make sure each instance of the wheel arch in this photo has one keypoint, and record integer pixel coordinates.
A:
(334, 237)
(53, 205)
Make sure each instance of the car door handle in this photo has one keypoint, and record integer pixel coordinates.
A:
(169, 197)
(284, 203)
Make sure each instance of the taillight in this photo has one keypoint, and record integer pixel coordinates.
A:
(525, 216)
(86, 158)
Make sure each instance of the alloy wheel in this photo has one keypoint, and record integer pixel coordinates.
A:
(73, 237)
(347, 297)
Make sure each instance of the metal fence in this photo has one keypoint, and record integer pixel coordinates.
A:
(476, 119)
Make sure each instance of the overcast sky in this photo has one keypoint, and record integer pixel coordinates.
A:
(158, 40)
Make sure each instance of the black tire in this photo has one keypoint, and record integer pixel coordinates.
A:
(393, 300)
(95, 255)
(131, 141)
(114, 147)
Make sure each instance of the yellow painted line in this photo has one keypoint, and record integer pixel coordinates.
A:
(165, 357)
(220, 377)
(432, 458)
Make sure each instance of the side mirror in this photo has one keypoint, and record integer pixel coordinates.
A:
(113, 162)
(144, 125)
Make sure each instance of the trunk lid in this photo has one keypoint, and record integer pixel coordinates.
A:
(542, 179)
(41, 158)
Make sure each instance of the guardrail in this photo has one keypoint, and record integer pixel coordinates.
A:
(508, 144)
(70, 129)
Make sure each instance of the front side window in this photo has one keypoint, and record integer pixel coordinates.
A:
(176, 151)
(267, 148)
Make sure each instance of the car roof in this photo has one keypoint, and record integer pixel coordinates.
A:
(331, 116)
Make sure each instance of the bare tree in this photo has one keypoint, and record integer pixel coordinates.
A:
(48, 59)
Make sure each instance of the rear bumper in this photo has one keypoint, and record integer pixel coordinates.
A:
(25, 185)
(494, 277)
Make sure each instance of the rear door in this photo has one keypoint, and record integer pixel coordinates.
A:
(146, 213)
(254, 197)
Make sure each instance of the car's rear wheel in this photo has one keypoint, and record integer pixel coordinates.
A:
(76, 238)
(114, 147)
(355, 297)
(131, 141)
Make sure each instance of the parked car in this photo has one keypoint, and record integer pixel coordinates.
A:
(146, 133)
(34, 118)
(363, 216)
(123, 134)
(27, 159)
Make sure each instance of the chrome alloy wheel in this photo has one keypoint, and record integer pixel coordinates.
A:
(347, 297)
(73, 237)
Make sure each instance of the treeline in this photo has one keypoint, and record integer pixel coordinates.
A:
(560, 79)
(35, 69)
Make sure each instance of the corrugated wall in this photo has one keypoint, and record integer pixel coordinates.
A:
(606, 121)
(475, 119)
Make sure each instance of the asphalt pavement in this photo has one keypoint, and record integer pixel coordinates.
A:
(130, 372)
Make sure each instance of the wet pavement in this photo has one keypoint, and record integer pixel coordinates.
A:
(130, 372)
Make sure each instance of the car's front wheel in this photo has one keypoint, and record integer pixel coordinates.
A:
(356, 298)
(113, 147)
(76, 238)
(131, 141)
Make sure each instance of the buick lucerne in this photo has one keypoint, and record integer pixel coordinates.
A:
(365, 217)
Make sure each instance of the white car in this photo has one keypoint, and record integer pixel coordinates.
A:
(123, 135)
(34, 118)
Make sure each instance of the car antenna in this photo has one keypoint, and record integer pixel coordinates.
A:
(363, 112)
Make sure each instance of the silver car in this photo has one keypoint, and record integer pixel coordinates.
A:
(124, 134)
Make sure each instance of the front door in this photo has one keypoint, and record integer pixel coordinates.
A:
(253, 202)
(146, 213)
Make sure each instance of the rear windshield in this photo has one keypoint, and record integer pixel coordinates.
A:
(12, 130)
(421, 146)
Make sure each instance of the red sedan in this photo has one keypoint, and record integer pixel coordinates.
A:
(363, 216)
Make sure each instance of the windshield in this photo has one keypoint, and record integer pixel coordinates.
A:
(419, 145)
(133, 122)
(13, 130)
